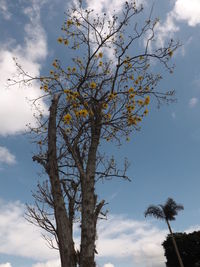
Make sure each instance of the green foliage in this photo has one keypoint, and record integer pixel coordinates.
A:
(189, 248)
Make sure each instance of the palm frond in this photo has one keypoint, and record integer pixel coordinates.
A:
(154, 211)
(171, 209)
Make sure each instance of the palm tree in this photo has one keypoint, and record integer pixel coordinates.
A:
(167, 212)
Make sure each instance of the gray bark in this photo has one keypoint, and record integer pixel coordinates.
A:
(63, 227)
(88, 227)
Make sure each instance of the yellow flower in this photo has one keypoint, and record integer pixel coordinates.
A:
(136, 81)
(140, 78)
(147, 100)
(147, 88)
(100, 54)
(69, 69)
(140, 102)
(67, 118)
(75, 105)
(60, 40)
(66, 42)
(69, 23)
(55, 64)
(131, 95)
(45, 87)
(76, 94)
(141, 58)
(128, 107)
(132, 77)
(51, 72)
(132, 120)
(108, 116)
(93, 85)
(138, 118)
(112, 96)
(131, 90)
(100, 64)
(146, 112)
(77, 113)
(66, 91)
(73, 69)
(69, 97)
(105, 105)
(83, 112)
(170, 53)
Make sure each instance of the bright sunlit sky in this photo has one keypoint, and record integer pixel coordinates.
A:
(164, 155)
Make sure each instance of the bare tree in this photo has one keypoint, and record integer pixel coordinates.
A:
(102, 97)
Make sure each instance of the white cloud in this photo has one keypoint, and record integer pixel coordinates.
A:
(15, 109)
(20, 238)
(165, 31)
(53, 263)
(193, 102)
(108, 265)
(188, 11)
(120, 237)
(6, 265)
(109, 6)
(4, 9)
(6, 156)
(183, 10)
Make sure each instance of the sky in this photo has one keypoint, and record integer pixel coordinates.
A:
(164, 155)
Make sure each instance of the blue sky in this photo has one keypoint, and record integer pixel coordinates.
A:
(164, 155)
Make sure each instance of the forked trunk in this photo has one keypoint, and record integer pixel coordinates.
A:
(64, 233)
(175, 245)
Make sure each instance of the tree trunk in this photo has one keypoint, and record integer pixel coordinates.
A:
(64, 233)
(175, 245)
(88, 226)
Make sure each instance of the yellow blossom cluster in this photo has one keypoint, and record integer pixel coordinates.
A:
(55, 64)
(69, 22)
(67, 118)
(170, 52)
(93, 85)
(81, 113)
(131, 105)
(100, 54)
(112, 96)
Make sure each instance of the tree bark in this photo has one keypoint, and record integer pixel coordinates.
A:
(64, 233)
(88, 227)
(175, 245)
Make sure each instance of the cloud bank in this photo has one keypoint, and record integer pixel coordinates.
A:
(15, 109)
(119, 238)
(182, 11)
(20, 238)
(5, 265)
